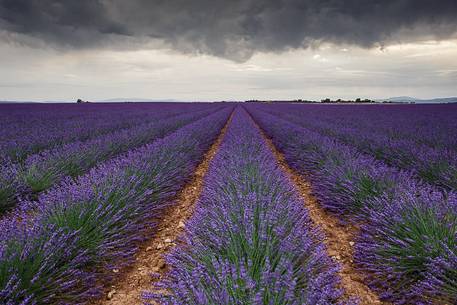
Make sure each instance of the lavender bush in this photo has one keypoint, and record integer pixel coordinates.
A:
(39, 264)
(11, 185)
(410, 247)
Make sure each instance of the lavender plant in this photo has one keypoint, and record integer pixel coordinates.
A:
(410, 245)
(11, 185)
(40, 263)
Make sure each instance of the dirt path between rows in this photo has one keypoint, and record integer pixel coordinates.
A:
(339, 239)
(150, 258)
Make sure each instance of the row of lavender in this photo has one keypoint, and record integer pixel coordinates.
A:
(30, 128)
(433, 161)
(56, 250)
(408, 240)
(432, 125)
(40, 171)
(250, 239)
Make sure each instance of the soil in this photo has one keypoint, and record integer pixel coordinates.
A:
(339, 239)
(131, 282)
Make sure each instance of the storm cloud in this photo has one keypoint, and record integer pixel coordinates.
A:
(234, 29)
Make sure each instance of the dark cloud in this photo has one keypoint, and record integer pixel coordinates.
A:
(233, 29)
(79, 23)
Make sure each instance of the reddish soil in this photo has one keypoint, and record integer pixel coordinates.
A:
(339, 239)
(131, 282)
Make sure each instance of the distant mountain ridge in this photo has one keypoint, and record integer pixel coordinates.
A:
(401, 99)
(18, 102)
(139, 100)
(408, 99)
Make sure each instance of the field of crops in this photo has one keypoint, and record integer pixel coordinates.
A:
(228, 203)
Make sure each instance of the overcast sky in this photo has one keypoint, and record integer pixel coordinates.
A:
(227, 50)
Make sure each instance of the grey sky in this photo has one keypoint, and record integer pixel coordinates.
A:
(213, 50)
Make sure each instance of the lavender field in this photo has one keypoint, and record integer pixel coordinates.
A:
(228, 203)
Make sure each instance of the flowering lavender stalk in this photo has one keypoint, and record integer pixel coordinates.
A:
(250, 240)
(52, 251)
(11, 185)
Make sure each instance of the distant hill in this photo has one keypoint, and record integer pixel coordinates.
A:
(136, 100)
(17, 102)
(441, 100)
(401, 99)
(408, 99)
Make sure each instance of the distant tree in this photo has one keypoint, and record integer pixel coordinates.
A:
(80, 101)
